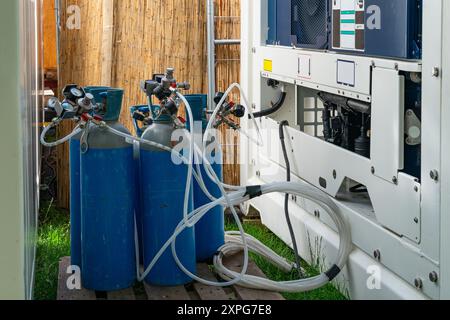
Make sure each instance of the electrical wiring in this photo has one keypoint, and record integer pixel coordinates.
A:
(286, 199)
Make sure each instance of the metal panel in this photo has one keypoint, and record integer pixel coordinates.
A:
(378, 27)
(431, 126)
(19, 85)
(12, 284)
(396, 206)
(32, 83)
(445, 204)
(315, 237)
(284, 22)
(323, 69)
(406, 225)
(388, 109)
(304, 66)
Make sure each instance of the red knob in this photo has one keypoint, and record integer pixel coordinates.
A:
(183, 121)
(98, 118)
(85, 117)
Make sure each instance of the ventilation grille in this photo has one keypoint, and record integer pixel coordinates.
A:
(310, 23)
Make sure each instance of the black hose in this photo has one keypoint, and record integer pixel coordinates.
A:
(356, 105)
(275, 107)
(286, 200)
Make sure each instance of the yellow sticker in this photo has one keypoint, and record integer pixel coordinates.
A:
(267, 65)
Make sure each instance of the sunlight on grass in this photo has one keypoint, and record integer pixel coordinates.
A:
(53, 244)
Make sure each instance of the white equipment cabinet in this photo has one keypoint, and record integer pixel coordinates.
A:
(401, 226)
(19, 92)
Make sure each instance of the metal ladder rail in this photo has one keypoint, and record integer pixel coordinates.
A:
(212, 42)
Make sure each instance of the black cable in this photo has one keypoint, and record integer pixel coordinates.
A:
(275, 107)
(286, 200)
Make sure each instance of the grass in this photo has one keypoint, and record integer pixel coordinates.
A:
(329, 292)
(54, 243)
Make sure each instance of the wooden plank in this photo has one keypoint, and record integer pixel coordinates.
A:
(166, 293)
(235, 263)
(107, 42)
(208, 292)
(80, 63)
(175, 293)
(127, 294)
(49, 34)
(63, 292)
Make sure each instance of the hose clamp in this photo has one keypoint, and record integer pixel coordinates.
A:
(84, 145)
(253, 192)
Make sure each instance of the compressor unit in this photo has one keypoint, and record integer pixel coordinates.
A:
(366, 125)
(381, 28)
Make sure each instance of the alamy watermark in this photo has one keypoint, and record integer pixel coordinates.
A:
(73, 21)
(374, 278)
(74, 280)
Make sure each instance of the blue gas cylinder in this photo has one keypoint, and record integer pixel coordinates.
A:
(108, 201)
(163, 188)
(75, 192)
(210, 234)
(75, 201)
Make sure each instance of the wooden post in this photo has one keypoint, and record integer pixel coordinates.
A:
(107, 42)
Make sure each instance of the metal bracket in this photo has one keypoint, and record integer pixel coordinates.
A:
(84, 145)
(413, 129)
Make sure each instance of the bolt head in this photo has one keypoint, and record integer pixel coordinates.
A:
(434, 277)
(434, 175)
(334, 174)
(435, 72)
(317, 213)
(416, 189)
(372, 170)
(377, 255)
(416, 220)
(395, 180)
(418, 283)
